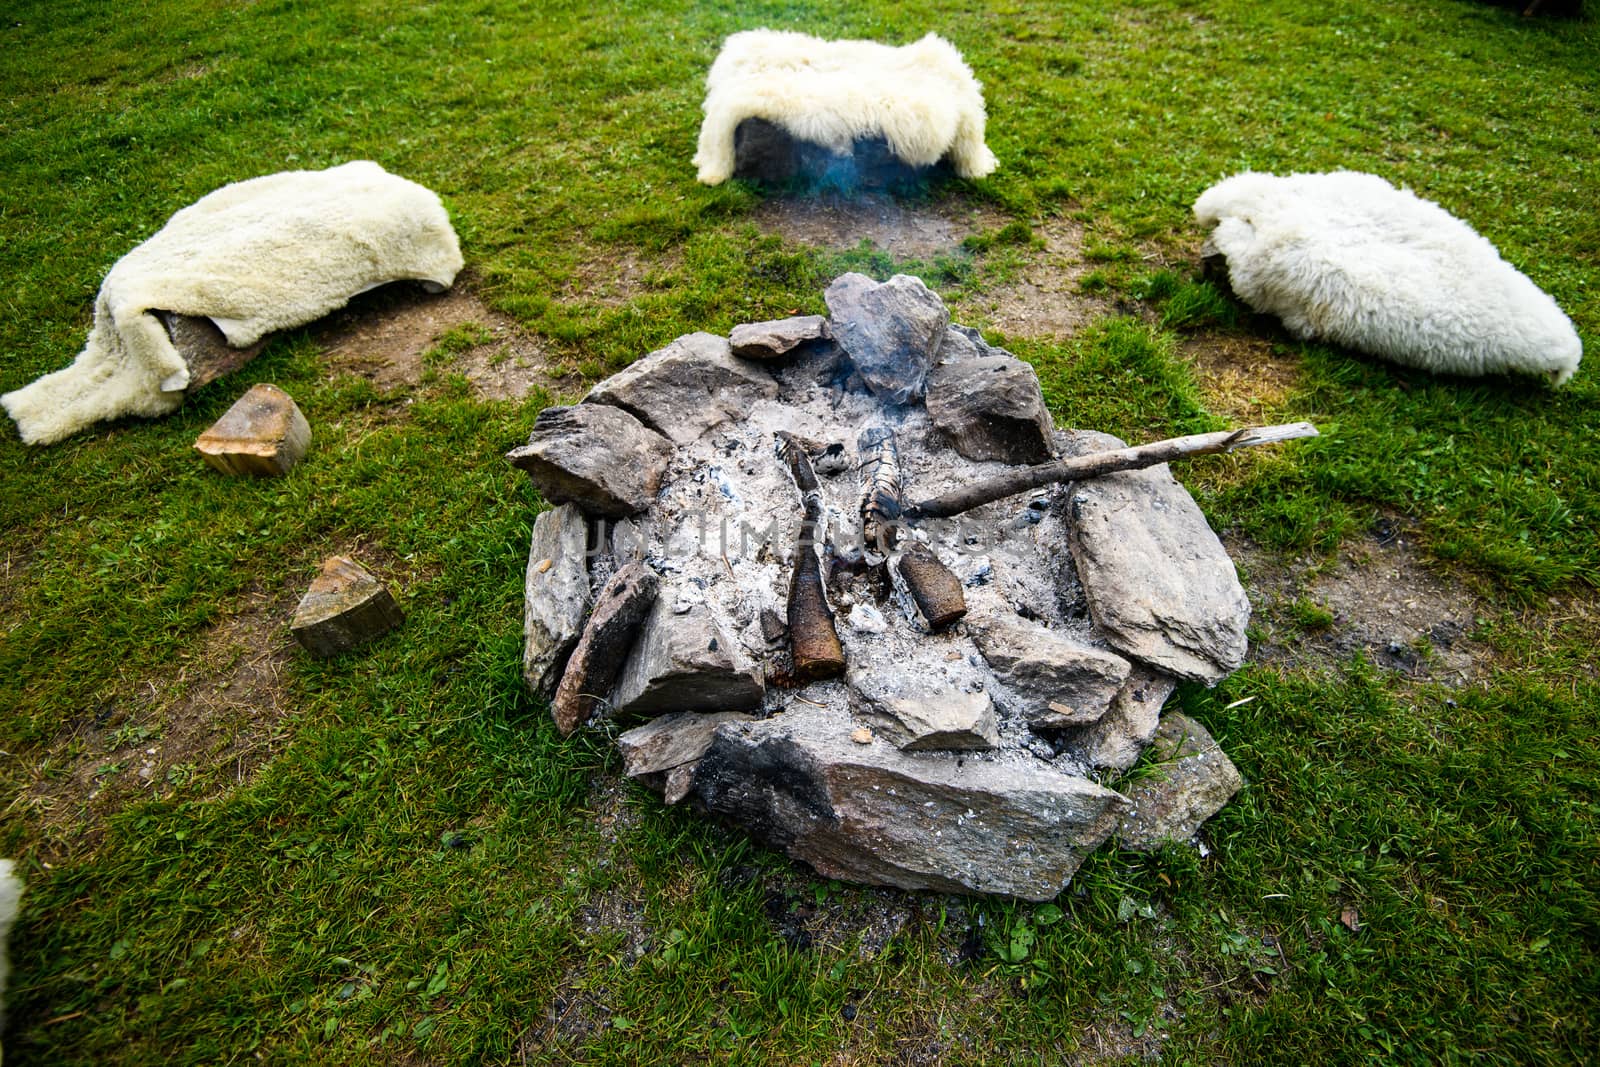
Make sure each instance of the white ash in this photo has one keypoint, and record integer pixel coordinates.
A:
(724, 525)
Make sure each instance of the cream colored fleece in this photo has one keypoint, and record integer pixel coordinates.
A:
(1347, 257)
(921, 98)
(10, 904)
(256, 256)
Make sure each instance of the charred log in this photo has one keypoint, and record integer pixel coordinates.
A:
(813, 640)
(934, 588)
(881, 488)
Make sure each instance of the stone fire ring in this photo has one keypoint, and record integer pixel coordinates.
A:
(670, 595)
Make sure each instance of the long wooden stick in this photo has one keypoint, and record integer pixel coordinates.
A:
(1096, 464)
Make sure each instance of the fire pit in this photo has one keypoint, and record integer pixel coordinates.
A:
(803, 633)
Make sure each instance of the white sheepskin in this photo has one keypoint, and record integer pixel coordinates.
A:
(921, 98)
(1348, 258)
(10, 903)
(256, 256)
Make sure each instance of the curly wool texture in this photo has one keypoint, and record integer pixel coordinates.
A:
(255, 256)
(1347, 257)
(10, 904)
(921, 98)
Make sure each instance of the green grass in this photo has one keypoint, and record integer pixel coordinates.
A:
(423, 871)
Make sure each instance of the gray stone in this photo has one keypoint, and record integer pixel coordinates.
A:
(1190, 780)
(628, 541)
(686, 662)
(1055, 680)
(767, 341)
(1117, 740)
(991, 408)
(686, 388)
(869, 812)
(1159, 584)
(263, 434)
(918, 715)
(677, 783)
(962, 343)
(595, 662)
(661, 755)
(671, 741)
(555, 595)
(596, 456)
(892, 331)
(345, 607)
(766, 152)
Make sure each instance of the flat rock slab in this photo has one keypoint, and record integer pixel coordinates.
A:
(868, 812)
(918, 714)
(1119, 738)
(1160, 586)
(345, 607)
(891, 331)
(771, 341)
(595, 456)
(1192, 778)
(991, 408)
(555, 595)
(262, 434)
(1054, 680)
(592, 669)
(686, 388)
(686, 662)
(671, 741)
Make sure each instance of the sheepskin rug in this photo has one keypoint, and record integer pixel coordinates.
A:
(10, 903)
(1347, 257)
(255, 256)
(920, 98)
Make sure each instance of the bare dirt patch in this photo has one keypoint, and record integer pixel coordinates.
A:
(1245, 379)
(385, 336)
(1046, 299)
(810, 912)
(206, 730)
(905, 230)
(1377, 597)
(612, 277)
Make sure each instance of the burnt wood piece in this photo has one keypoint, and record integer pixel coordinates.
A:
(881, 487)
(936, 590)
(813, 640)
(619, 611)
(1096, 464)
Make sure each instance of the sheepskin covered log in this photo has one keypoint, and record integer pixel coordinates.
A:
(253, 257)
(1346, 257)
(922, 99)
(10, 904)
